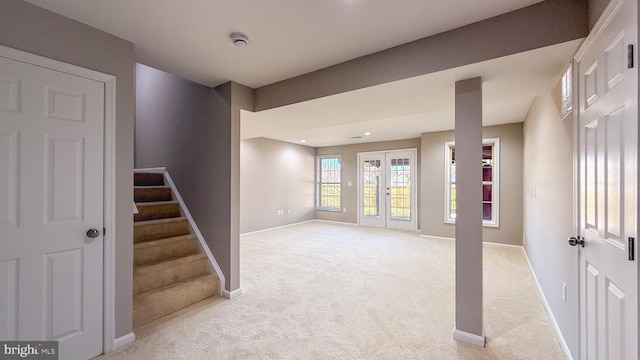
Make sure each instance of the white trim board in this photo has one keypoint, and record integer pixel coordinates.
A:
(486, 243)
(156, 170)
(123, 341)
(275, 228)
(335, 222)
(469, 338)
(108, 305)
(196, 231)
(547, 308)
(231, 294)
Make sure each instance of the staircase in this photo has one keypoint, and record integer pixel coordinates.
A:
(170, 270)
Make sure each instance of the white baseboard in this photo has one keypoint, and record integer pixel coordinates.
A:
(495, 244)
(437, 237)
(231, 294)
(487, 243)
(277, 227)
(336, 222)
(547, 308)
(469, 338)
(123, 341)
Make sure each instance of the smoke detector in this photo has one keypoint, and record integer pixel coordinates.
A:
(239, 39)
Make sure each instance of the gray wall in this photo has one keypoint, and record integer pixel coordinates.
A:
(350, 174)
(548, 209)
(32, 29)
(274, 176)
(542, 24)
(432, 194)
(186, 127)
(596, 8)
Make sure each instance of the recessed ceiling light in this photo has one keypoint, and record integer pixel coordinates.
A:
(303, 141)
(239, 39)
(367, 133)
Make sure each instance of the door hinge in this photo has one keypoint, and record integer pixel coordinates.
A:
(104, 231)
(630, 56)
(631, 248)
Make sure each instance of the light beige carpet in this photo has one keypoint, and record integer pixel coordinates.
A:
(329, 291)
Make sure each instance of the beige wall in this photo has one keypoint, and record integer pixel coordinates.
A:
(432, 194)
(548, 209)
(350, 174)
(274, 176)
(32, 29)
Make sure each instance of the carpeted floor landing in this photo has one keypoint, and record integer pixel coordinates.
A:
(330, 291)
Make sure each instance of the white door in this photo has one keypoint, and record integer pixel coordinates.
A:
(387, 189)
(51, 194)
(608, 139)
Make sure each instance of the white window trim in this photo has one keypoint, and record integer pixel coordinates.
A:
(495, 192)
(317, 192)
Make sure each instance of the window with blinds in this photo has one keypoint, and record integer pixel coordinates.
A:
(567, 92)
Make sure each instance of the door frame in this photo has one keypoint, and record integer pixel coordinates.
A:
(414, 183)
(109, 81)
(606, 18)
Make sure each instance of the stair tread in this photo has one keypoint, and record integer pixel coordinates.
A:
(159, 221)
(160, 242)
(158, 266)
(174, 285)
(151, 187)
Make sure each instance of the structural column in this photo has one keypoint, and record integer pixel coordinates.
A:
(468, 157)
(238, 97)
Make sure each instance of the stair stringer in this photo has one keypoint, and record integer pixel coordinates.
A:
(194, 227)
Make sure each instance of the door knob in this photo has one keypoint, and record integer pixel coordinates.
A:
(93, 233)
(579, 240)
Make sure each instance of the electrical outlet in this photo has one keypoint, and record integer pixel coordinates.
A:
(564, 292)
(289, 211)
(344, 210)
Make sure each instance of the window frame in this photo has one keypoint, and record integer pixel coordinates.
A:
(495, 183)
(319, 183)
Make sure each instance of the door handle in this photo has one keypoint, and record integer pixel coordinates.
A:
(93, 233)
(579, 240)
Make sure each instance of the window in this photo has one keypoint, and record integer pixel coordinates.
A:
(490, 188)
(567, 93)
(328, 185)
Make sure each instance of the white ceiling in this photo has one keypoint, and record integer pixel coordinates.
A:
(293, 37)
(405, 109)
(190, 38)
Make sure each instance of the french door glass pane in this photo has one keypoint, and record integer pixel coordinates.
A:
(371, 188)
(400, 189)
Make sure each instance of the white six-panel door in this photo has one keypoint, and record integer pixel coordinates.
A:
(608, 142)
(51, 194)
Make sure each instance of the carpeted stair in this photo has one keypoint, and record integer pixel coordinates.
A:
(170, 271)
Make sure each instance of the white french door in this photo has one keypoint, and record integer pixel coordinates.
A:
(51, 208)
(608, 148)
(387, 189)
